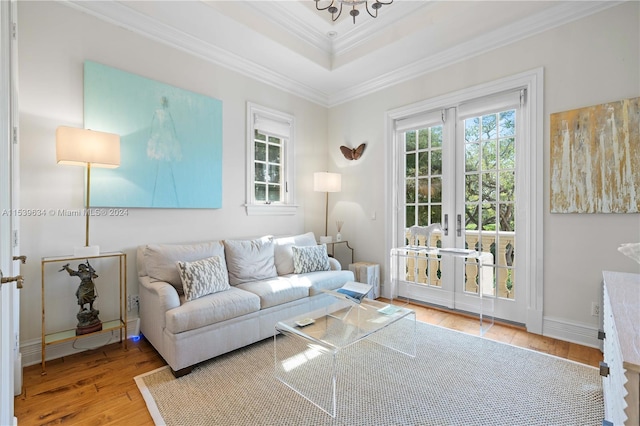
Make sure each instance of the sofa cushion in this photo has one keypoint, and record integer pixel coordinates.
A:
(211, 309)
(160, 259)
(324, 280)
(250, 260)
(276, 291)
(203, 277)
(310, 259)
(283, 250)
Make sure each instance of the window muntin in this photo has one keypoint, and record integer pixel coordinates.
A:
(268, 182)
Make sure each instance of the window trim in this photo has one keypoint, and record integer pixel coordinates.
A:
(288, 207)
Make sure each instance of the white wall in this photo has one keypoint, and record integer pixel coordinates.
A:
(54, 41)
(587, 62)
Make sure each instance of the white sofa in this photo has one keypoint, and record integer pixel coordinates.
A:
(263, 288)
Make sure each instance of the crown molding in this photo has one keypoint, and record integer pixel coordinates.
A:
(351, 37)
(516, 31)
(122, 16)
(294, 23)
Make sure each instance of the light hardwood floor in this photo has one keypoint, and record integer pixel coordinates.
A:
(96, 387)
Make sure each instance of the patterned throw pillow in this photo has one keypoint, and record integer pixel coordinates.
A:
(203, 277)
(310, 259)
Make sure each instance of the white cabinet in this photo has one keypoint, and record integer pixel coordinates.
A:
(621, 366)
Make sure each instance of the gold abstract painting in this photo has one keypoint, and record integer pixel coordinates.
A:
(595, 159)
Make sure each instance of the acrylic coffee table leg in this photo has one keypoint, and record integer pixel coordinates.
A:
(307, 368)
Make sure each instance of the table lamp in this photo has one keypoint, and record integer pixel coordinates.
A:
(326, 182)
(80, 147)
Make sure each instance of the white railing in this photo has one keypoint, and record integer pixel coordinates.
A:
(498, 274)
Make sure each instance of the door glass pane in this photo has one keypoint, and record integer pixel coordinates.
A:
(435, 191)
(436, 214)
(410, 219)
(423, 138)
(410, 191)
(506, 155)
(436, 162)
(472, 156)
(490, 200)
(423, 163)
(423, 190)
(423, 198)
(410, 165)
(410, 141)
(436, 136)
(423, 215)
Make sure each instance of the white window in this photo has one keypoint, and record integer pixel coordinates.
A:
(270, 142)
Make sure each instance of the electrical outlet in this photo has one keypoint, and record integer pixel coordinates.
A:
(133, 302)
(595, 309)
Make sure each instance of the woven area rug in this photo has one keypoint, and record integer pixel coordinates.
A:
(455, 379)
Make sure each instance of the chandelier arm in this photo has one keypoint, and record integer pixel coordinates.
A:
(324, 8)
(339, 13)
(369, 12)
(377, 4)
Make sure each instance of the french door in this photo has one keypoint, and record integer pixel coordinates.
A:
(459, 166)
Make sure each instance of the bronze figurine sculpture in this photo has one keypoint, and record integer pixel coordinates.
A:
(88, 321)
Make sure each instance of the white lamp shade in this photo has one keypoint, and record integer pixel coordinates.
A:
(80, 147)
(327, 182)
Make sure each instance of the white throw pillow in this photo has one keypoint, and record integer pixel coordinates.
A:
(284, 254)
(310, 259)
(203, 277)
(250, 260)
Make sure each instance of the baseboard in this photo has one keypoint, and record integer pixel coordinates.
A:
(582, 334)
(32, 350)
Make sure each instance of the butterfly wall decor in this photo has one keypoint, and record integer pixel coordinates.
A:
(352, 153)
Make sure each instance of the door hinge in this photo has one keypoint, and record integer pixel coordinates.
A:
(14, 30)
(15, 238)
(15, 135)
(523, 97)
(443, 114)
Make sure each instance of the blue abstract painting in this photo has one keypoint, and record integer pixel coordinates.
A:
(170, 142)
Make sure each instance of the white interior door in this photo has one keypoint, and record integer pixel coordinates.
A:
(9, 295)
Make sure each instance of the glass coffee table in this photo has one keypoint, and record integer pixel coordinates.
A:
(306, 347)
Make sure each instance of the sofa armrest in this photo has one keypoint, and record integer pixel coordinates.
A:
(334, 264)
(156, 298)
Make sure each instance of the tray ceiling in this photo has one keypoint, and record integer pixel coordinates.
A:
(291, 45)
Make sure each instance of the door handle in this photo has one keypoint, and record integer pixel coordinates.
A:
(459, 225)
(445, 229)
(22, 259)
(18, 279)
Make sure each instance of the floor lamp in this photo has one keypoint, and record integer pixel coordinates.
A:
(80, 147)
(327, 182)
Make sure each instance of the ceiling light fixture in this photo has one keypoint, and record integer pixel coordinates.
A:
(335, 11)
